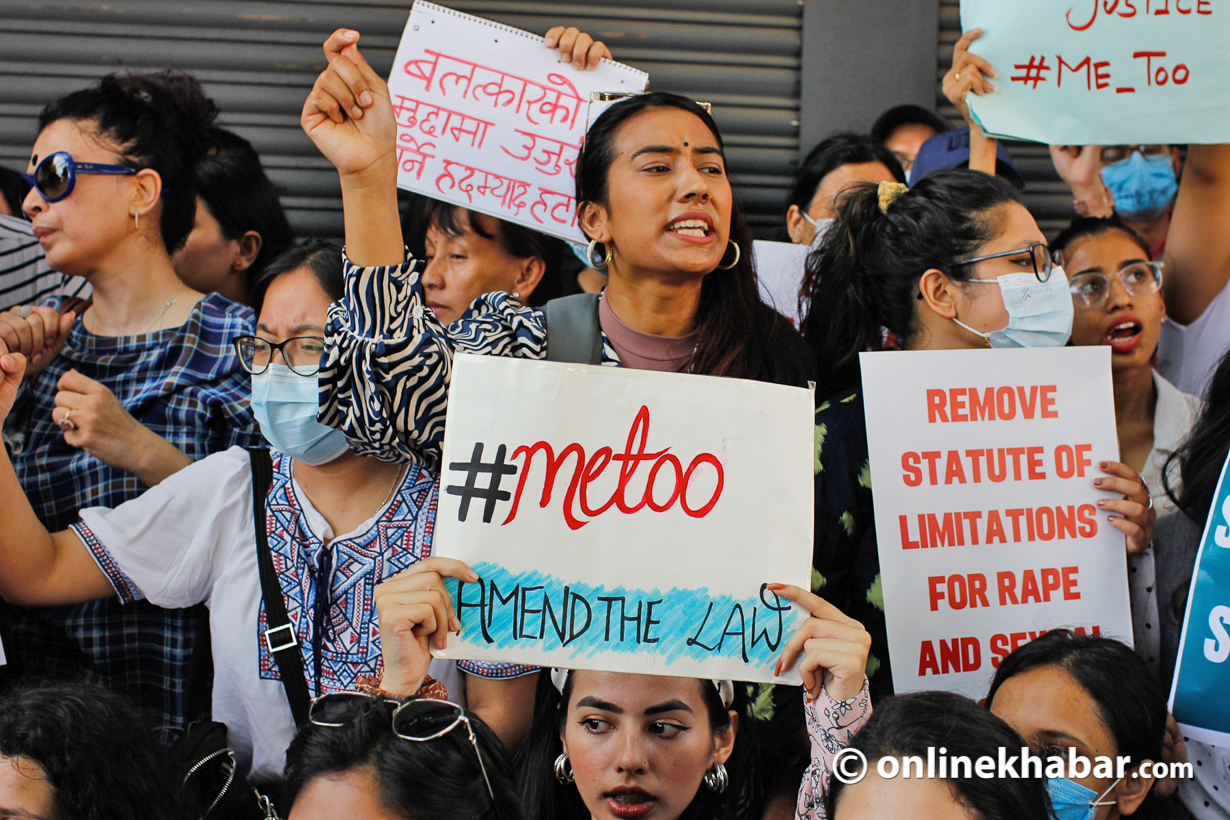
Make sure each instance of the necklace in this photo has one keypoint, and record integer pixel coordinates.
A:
(157, 319)
(396, 483)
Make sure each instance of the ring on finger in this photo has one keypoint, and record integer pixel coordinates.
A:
(66, 424)
(956, 75)
(23, 311)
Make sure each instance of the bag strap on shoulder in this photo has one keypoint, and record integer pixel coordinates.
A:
(573, 332)
(280, 636)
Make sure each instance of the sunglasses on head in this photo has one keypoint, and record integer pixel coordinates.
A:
(419, 720)
(56, 175)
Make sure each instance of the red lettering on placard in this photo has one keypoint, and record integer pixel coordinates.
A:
(658, 499)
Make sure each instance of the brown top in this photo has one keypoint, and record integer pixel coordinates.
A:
(644, 351)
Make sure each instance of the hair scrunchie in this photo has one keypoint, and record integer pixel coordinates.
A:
(890, 192)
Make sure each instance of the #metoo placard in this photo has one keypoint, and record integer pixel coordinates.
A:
(489, 118)
(1104, 72)
(982, 466)
(625, 520)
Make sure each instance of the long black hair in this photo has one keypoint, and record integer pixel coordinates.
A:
(159, 121)
(98, 753)
(737, 333)
(242, 198)
(440, 779)
(1130, 701)
(1203, 453)
(913, 725)
(863, 279)
(545, 798)
(830, 154)
(1085, 226)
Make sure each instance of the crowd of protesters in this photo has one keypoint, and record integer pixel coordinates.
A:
(190, 391)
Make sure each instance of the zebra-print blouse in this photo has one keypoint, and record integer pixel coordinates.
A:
(388, 359)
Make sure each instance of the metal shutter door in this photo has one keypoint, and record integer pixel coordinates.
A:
(258, 60)
(1046, 195)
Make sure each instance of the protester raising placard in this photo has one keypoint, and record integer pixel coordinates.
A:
(490, 119)
(989, 533)
(1104, 72)
(625, 520)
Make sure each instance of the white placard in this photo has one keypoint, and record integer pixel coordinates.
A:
(491, 119)
(982, 465)
(780, 267)
(673, 500)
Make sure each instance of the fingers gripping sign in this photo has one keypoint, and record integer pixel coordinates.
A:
(577, 47)
(969, 73)
(831, 647)
(348, 114)
(1132, 513)
(416, 613)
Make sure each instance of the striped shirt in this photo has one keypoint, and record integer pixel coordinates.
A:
(186, 385)
(25, 277)
(388, 360)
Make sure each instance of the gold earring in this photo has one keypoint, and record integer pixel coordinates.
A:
(589, 255)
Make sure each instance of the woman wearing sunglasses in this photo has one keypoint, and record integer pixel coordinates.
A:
(143, 384)
(372, 757)
(614, 746)
(337, 524)
(954, 263)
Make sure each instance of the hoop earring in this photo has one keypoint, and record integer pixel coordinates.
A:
(738, 255)
(563, 770)
(717, 778)
(589, 255)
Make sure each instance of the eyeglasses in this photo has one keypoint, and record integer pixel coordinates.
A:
(56, 175)
(1139, 279)
(1038, 253)
(1112, 154)
(301, 353)
(419, 720)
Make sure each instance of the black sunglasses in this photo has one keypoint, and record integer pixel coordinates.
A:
(56, 175)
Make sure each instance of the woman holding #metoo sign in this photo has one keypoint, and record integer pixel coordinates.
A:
(940, 266)
(652, 195)
(619, 746)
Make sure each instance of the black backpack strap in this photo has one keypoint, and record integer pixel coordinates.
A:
(573, 332)
(280, 636)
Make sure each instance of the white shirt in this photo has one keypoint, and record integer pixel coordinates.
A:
(1173, 417)
(25, 277)
(190, 539)
(1187, 355)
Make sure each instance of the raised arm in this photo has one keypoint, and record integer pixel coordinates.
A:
(1198, 245)
(969, 73)
(37, 568)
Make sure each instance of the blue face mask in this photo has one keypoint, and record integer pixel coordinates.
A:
(1072, 801)
(1143, 186)
(1039, 313)
(285, 406)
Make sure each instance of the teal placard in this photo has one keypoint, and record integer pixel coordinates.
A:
(1200, 694)
(1104, 72)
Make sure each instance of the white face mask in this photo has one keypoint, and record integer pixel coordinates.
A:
(821, 227)
(1039, 313)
